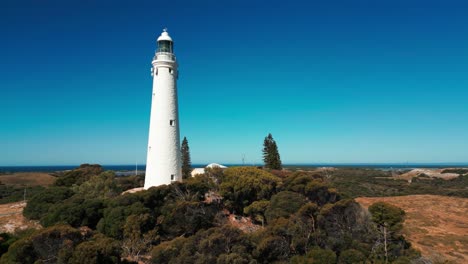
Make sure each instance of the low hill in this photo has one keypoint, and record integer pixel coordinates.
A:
(28, 179)
(435, 225)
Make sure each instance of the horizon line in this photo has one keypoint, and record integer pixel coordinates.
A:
(258, 164)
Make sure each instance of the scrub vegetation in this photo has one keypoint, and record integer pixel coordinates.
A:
(16, 187)
(354, 183)
(300, 218)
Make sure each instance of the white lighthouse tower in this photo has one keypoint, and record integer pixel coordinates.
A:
(163, 164)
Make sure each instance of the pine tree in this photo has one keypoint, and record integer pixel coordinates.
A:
(186, 162)
(271, 156)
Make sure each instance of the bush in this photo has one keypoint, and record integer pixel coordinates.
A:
(76, 211)
(54, 243)
(241, 186)
(99, 249)
(79, 175)
(39, 205)
(284, 204)
(352, 256)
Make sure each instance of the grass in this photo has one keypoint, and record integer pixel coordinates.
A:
(27, 179)
(13, 186)
(435, 225)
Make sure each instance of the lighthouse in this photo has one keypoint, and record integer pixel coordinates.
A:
(163, 165)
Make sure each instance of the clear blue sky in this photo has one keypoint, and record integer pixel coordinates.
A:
(333, 81)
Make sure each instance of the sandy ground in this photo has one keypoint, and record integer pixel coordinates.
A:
(435, 225)
(432, 173)
(11, 218)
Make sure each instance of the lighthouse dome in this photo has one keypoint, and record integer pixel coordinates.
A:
(164, 36)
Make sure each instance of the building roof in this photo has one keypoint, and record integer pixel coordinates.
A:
(164, 36)
(212, 165)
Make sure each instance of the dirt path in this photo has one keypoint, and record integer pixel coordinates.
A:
(11, 218)
(435, 225)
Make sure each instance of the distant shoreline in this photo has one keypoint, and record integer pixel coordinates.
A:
(384, 166)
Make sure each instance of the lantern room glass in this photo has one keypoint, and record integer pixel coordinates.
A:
(165, 46)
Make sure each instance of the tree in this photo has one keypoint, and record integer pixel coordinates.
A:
(352, 256)
(316, 255)
(99, 249)
(389, 220)
(138, 234)
(50, 245)
(75, 211)
(257, 210)
(241, 186)
(271, 157)
(39, 205)
(100, 186)
(284, 204)
(186, 162)
(79, 175)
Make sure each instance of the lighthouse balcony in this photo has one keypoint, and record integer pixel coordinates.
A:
(165, 56)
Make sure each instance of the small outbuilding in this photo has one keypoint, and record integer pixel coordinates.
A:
(197, 171)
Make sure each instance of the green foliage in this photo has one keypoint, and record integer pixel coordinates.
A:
(216, 245)
(459, 171)
(352, 256)
(113, 220)
(272, 248)
(257, 210)
(167, 251)
(271, 156)
(344, 224)
(320, 193)
(312, 186)
(153, 198)
(284, 204)
(241, 186)
(39, 205)
(317, 256)
(215, 173)
(192, 189)
(186, 218)
(52, 244)
(303, 218)
(390, 216)
(352, 183)
(100, 249)
(20, 252)
(390, 245)
(5, 241)
(139, 234)
(79, 175)
(129, 182)
(76, 211)
(100, 186)
(11, 194)
(304, 228)
(186, 161)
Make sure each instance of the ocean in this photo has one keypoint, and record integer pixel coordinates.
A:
(141, 168)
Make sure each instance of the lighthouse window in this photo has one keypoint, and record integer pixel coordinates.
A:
(172, 122)
(165, 46)
(172, 177)
(170, 71)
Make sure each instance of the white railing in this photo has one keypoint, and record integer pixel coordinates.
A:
(164, 56)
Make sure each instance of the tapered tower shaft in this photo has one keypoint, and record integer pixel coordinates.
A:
(163, 164)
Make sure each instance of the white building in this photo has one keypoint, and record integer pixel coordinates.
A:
(163, 164)
(197, 171)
